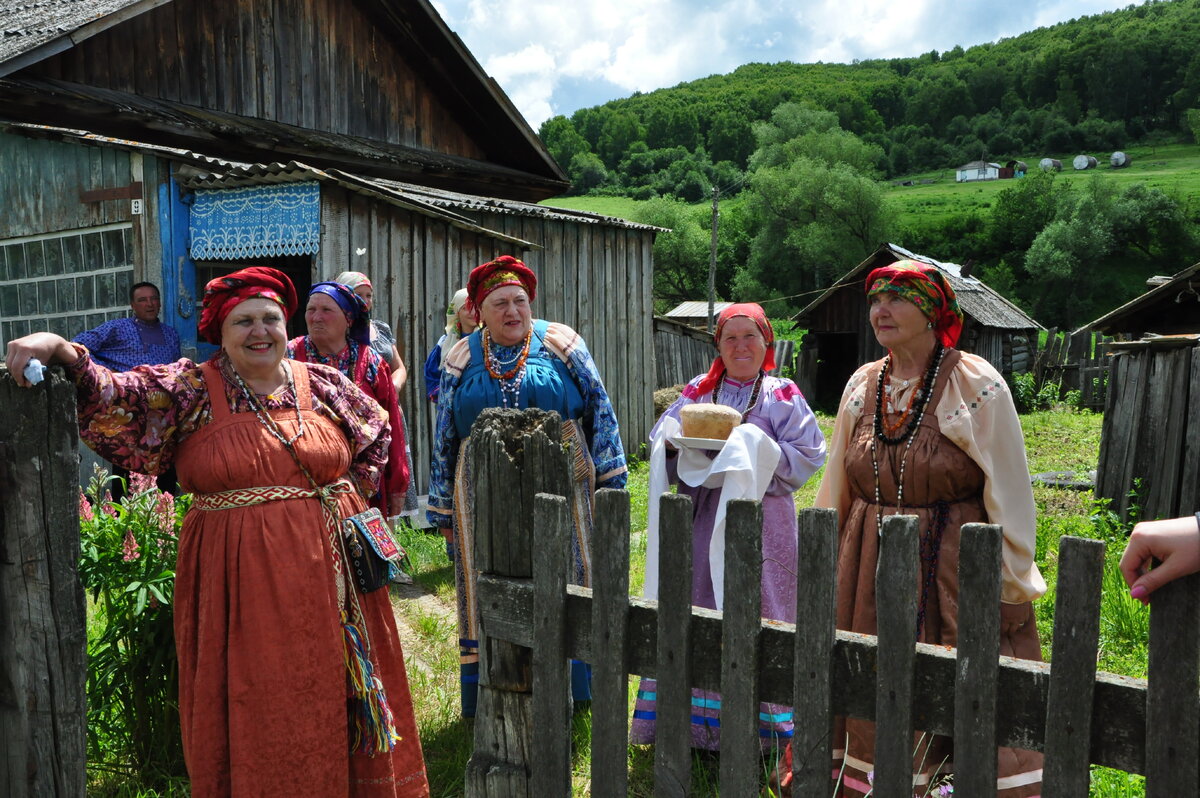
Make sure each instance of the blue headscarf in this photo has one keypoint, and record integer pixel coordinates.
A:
(353, 306)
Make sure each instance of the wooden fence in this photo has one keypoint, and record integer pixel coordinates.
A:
(1078, 362)
(1151, 435)
(532, 622)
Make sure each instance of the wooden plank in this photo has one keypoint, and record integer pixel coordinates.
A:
(1172, 369)
(673, 705)
(896, 606)
(816, 597)
(1189, 479)
(1076, 637)
(978, 659)
(610, 621)
(740, 749)
(1173, 725)
(551, 666)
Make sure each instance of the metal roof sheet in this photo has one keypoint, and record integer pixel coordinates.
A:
(27, 26)
(694, 310)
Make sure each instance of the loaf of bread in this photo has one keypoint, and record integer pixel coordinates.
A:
(708, 421)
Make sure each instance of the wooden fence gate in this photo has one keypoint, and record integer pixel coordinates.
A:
(1078, 362)
(532, 623)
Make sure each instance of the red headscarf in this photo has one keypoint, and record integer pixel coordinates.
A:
(504, 270)
(756, 314)
(223, 294)
(925, 286)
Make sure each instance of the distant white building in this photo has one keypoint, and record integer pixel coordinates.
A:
(977, 170)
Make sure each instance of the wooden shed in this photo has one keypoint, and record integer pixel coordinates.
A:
(175, 141)
(840, 339)
(1169, 308)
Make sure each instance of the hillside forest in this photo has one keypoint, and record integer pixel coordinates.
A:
(800, 155)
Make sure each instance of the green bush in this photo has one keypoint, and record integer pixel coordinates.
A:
(127, 567)
(1031, 397)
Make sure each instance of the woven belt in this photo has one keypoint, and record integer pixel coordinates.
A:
(247, 497)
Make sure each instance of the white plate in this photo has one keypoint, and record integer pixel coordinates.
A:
(710, 444)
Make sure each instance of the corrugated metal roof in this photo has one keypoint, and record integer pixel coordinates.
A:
(26, 26)
(975, 298)
(694, 310)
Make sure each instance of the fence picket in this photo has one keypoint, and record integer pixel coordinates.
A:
(742, 622)
(1172, 715)
(673, 705)
(896, 607)
(1073, 677)
(551, 668)
(816, 594)
(978, 660)
(610, 622)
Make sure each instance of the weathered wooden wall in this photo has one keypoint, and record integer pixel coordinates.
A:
(1151, 428)
(681, 352)
(594, 278)
(42, 624)
(316, 64)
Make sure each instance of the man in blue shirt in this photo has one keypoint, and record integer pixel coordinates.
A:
(138, 340)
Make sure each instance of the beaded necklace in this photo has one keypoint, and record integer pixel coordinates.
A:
(921, 397)
(926, 391)
(261, 413)
(753, 393)
(510, 380)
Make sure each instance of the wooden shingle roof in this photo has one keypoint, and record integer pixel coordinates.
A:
(37, 29)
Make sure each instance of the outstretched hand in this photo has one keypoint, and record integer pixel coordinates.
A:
(1175, 542)
(46, 347)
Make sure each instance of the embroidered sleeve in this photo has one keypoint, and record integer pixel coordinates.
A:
(360, 417)
(600, 419)
(137, 419)
(446, 444)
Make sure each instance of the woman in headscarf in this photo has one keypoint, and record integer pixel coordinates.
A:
(933, 432)
(460, 321)
(291, 681)
(339, 336)
(780, 439)
(514, 360)
(383, 340)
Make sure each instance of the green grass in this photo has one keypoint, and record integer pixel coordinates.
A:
(620, 207)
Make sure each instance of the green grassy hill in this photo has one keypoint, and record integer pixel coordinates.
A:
(1174, 168)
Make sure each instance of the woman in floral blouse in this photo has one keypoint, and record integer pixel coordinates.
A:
(271, 637)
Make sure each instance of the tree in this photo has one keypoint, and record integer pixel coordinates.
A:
(586, 172)
(681, 254)
(619, 130)
(562, 140)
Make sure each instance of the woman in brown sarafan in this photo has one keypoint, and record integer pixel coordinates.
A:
(932, 432)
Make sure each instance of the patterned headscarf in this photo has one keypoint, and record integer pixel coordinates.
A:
(504, 270)
(926, 287)
(353, 279)
(223, 294)
(352, 305)
(756, 314)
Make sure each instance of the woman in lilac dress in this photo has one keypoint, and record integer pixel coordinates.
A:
(780, 430)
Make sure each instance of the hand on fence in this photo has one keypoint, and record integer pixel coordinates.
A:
(46, 347)
(1173, 541)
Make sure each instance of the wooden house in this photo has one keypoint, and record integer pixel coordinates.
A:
(1171, 307)
(176, 140)
(840, 338)
(977, 170)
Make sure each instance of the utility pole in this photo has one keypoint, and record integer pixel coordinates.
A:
(712, 261)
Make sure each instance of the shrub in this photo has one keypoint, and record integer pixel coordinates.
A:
(1030, 397)
(127, 567)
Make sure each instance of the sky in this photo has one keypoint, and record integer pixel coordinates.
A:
(556, 56)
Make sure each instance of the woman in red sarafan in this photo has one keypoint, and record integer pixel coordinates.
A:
(291, 683)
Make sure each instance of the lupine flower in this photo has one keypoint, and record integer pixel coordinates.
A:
(140, 483)
(130, 547)
(165, 509)
(85, 508)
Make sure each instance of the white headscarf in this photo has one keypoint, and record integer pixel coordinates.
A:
(452, 332)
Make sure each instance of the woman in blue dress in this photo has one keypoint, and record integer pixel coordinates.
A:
(515, 361)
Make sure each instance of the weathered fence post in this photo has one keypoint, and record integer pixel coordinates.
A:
(1172, 716)
(673, 705)
(610, 644)
(514, 456)
(42, 628)
(896, 607)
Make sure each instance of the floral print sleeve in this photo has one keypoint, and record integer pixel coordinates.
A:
(137, 419)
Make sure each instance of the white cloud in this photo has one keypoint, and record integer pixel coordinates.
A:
(545, 52)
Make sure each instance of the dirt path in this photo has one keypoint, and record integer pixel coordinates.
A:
(408, 600)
